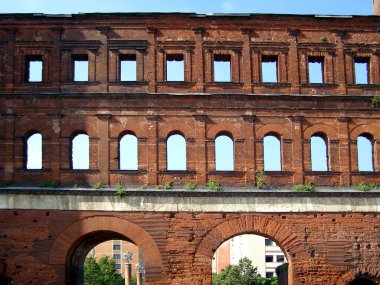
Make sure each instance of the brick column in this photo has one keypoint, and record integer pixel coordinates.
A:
(8, 146)
(140, 65)
(188, 60)
(330, 68)
(294, 74)
(200, 149)
(53, 147)
(256, 68)
(249, 151)
(152, 149)
(349, 60)
(374, 66)
(66, 66)
(376, 155)
(341, 69)
(151, 75)
(103, 147)
(354, 155)
(92, 58)
(246, 70)
(259, 154)
(333, 151)
(113, 65)
(306, 154)
(297, 149)
(235, 64)
(198, 72)
(283, 66)
(344, 150)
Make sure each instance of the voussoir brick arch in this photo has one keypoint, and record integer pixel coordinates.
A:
(176, 128)
(328, 131)
(74, 233)
(231, 130)
(289, 242)
(369, 272)
(272, 129)
(364, 129)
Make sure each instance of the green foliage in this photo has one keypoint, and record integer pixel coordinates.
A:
(166, 186)
(190, 186)
(213, 185)
(260, 179)
(323, 39)
(375, 102)
(120, 189)
(101, 272)
(308, 187)
(242, 274)
(364, 186)
(143, 187)
(271, 281)
(76, 186)
(48, 184)
(4, 184)
(99, 185)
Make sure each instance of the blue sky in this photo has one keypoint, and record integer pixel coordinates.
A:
(333, 7)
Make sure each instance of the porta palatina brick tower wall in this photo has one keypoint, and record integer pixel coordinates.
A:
(329, 237)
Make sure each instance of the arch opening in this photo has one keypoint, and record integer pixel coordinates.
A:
(100, 256)
(80, 151)
(176, 152)
(224, 153)
(33, 151)
(365, 152)
(128, 152)
(272, 153)
(319, 153)
(361, 281)
(250, 257)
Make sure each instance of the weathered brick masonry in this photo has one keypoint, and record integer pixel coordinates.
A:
(47, 245)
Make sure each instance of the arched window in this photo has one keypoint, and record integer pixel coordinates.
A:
(224, 153)
(365, 152)
(128, 158)
(34, 151)
(176, 152)
(319, 157)
(272, 153)
(80, 152)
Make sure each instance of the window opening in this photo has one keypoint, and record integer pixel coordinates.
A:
(80, 63)
(319, 156)
(175, 67)
(222, 68)
(176, 152)
(365, 153)
(128, 67)
(128, 156)
(315, 69)
(34, 68)
(272, 153)
(34, 152)
(361, 70)
(224, 153)
(269, 65)
(81, 152)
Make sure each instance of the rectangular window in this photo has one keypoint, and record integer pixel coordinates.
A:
(269, 274)
(315, 64)
(280, 258)
(175, 67)
(128, 67)
(222, 68)
(116, 247)
(268, 242)
(269, 68)
(269, 258)
(361, 70)
(117, 256)
(34, 68)
(80, 67)
(117, 266)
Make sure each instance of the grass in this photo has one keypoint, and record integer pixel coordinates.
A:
(307, 187)
(190, 186)
(166, 186)
(213, 185)
(260, 179)
(364, 186)
(99, 185)
(375, 101)
(48, 184)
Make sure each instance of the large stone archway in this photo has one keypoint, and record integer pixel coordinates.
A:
(74, 242)
(283, 236)
(372, 274)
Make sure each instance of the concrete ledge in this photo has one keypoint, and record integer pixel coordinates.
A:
(260, 201)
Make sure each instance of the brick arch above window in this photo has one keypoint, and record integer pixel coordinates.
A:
(364, 129)
(231, 130)
(326, 131)
(271, 129)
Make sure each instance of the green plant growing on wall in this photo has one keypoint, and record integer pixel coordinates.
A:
(213, 185)
(364, 186)
(48, 184)
(4, 184)
(190, 186)
(323, 39)
(375, 102)
(99, 185)
(166, 186)
(260, 179)
(307, 187)
(120, 189)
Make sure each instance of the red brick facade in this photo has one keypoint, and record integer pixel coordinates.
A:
(47, 247)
